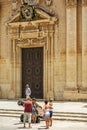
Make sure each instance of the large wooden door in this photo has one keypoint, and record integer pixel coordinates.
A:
(32, 71)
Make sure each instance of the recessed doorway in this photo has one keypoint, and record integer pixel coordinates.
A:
(32, 71)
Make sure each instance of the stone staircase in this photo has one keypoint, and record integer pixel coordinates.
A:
(67, 116)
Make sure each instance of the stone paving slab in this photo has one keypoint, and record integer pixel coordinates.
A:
(7, 123)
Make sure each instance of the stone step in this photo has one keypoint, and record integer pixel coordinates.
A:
(66, 114)
(80, 119)
(56, 116)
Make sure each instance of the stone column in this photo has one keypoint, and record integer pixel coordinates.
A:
(84, 46)
(71, 45)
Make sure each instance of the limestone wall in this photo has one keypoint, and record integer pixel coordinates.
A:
(5, 75)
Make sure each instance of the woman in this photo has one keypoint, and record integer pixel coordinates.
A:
(46, 109)
(34, 110)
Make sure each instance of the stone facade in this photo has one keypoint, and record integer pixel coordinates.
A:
(60, 29)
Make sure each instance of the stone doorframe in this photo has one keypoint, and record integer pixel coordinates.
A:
(32, 34)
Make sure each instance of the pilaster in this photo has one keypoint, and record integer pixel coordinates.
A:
(79, 45)
(84, 46)
(71, 45)
(50, 63)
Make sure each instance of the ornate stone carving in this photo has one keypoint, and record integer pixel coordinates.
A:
(21, 41)
(71, 2)
(30, 42)
(27, 12)
(48, 2)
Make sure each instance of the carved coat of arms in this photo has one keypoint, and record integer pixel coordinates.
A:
(27, 11)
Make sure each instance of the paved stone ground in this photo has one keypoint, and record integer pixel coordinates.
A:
(10, 123)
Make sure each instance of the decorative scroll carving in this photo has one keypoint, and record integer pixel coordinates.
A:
(71, 2)
(31, 41)
(21, 41)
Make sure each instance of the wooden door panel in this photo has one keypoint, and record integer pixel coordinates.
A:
(32, 71)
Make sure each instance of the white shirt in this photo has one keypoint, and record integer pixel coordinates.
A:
(28, 91)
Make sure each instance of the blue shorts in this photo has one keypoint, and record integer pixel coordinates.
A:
(51, 113)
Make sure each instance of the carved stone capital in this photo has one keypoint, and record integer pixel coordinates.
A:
(84, 2)
(71, 3)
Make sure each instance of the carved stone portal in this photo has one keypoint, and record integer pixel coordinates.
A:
(30, 34)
